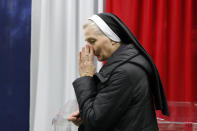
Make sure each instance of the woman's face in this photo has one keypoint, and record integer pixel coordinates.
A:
(101, 44)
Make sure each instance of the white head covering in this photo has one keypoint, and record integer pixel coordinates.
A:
(105, 28)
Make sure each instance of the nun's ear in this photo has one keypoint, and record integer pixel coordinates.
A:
(113, 42)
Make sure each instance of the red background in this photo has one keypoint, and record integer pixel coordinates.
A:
(168, 31)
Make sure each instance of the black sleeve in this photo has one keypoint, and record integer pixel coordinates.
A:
(101, 110)
(81, 128)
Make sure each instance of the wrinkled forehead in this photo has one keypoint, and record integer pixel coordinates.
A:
(91, 30)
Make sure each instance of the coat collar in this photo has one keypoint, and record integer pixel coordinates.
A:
(124, 53)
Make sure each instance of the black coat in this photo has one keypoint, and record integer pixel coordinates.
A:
(118, 98)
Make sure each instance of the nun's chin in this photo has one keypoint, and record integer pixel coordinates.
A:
(99, 58)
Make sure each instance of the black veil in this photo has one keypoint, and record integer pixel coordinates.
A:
(127, 37)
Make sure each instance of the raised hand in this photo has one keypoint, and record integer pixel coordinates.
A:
(86, 61)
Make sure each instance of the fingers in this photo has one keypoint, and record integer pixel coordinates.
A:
(70, 118)
(79, 57)
(75, 114)
(91, 54)
(74, 118)
(87, 50)
(87, 54)
(78, 123)
(86, 61)
(91, 50)
(83, 54)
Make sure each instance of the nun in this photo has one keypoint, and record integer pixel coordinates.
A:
(125, 93)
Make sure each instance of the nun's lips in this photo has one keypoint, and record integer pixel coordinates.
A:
(98, 56)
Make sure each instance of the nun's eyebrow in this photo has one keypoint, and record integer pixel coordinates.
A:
(90, 38)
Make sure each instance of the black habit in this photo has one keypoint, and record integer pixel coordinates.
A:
(124, 94)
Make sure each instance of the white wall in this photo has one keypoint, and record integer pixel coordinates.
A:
(56, 39)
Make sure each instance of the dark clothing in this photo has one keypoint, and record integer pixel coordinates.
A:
(119, 97)
(126, 36)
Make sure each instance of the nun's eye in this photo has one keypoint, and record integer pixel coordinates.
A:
(92, 41)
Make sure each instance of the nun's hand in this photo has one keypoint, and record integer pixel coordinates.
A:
(86, 61)
(75, 119)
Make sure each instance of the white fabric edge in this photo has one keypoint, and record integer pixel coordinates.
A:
(105, 28)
